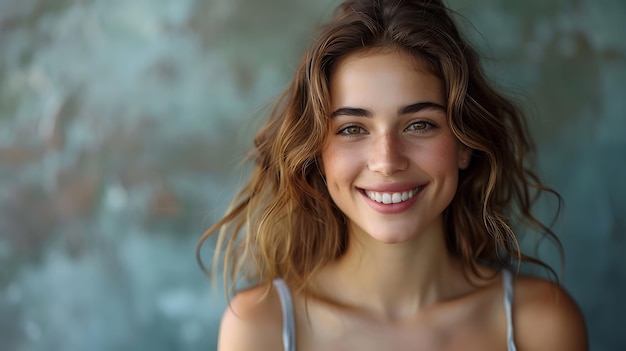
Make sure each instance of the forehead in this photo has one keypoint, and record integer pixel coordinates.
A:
(414, 60)
(370, 77)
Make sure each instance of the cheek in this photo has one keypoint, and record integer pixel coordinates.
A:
(340, 165)
(443, 157)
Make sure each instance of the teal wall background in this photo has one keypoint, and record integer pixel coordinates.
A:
(123, 124)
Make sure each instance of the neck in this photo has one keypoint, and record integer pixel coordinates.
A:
(392, 280)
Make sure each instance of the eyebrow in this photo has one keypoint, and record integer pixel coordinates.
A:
(406, 110)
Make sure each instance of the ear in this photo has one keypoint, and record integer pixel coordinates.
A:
(465, 157)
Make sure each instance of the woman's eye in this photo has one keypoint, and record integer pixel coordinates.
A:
(419, 126)
(352, 130)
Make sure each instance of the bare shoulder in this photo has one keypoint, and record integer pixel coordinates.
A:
(546, 317)
(253, 321)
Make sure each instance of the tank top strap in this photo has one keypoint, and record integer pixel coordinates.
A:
(286, 302)
(289, 335)
(507, 281)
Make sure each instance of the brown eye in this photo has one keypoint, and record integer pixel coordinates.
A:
(352, 130)
(420, 126)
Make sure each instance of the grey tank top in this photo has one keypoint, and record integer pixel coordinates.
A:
(289, 325)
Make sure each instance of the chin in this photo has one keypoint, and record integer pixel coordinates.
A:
(391, 234)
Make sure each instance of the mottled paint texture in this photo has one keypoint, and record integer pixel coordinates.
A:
(123, 125)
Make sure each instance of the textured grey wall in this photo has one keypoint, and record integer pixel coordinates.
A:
(122, 125)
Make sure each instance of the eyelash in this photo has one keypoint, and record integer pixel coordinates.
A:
(344, 130)
(427, 127)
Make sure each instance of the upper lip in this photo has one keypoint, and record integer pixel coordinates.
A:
(392, 187)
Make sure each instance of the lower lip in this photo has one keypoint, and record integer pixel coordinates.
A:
(391, 208)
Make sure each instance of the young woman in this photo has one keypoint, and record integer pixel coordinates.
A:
(378, 215)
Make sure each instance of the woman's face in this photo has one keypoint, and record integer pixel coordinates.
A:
(390, 160)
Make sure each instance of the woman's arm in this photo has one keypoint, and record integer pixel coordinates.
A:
(253, 321)
(547, 318)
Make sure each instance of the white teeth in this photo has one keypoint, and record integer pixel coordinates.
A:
(396, 197)
(386, 198)
(391, 198)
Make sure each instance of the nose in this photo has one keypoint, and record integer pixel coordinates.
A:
(387, 155)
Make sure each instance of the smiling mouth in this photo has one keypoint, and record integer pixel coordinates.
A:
(392, 198)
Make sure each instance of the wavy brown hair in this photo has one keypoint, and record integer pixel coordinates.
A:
(284, 224)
